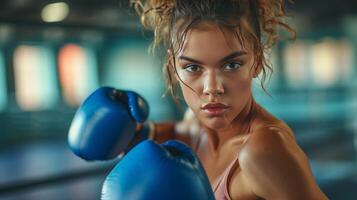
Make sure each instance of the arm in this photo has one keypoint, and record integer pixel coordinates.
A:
(167, 131)
(274, 167)
(186, 131)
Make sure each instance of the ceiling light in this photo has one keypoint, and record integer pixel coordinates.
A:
(55, 12)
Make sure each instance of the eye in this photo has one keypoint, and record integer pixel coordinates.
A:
(231, 66)
(192, 68)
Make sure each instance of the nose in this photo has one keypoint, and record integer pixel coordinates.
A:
(213, 85)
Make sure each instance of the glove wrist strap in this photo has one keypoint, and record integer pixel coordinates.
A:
(152, 131)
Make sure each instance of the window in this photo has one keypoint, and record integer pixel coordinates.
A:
(35, 77)
(77, 72)
(296, 64)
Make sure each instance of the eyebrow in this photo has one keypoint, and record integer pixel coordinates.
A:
(230, 56)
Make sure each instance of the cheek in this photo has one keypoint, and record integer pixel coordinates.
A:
(191, 87)
(239, 82)
(239, 91)
(189, 96)
(242, 85)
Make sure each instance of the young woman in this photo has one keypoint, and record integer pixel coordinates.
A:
(214, 49)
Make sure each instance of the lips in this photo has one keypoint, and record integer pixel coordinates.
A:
(214, 109)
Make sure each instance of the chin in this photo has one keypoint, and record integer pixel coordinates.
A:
(216, 123)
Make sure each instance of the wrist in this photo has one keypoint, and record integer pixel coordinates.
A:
(152, 131)
(146, 130)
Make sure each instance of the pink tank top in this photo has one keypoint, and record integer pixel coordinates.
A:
(221, 189)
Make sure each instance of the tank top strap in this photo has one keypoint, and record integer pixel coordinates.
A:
(221, 189)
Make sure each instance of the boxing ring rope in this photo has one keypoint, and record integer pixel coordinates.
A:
(33, 183)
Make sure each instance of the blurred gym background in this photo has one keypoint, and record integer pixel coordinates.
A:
(54, 53)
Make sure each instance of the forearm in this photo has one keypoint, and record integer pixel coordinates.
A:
(166, 131)
(159, 132)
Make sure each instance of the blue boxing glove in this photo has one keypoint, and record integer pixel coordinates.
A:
(106, 124)
(161, 172)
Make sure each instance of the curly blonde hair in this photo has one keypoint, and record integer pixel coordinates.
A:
(171, 21)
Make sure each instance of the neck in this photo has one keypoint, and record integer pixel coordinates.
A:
(239, 126)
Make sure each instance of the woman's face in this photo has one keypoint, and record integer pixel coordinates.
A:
(219, 70)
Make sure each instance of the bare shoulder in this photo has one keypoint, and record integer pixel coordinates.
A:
(271, 140)
(274, 165)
